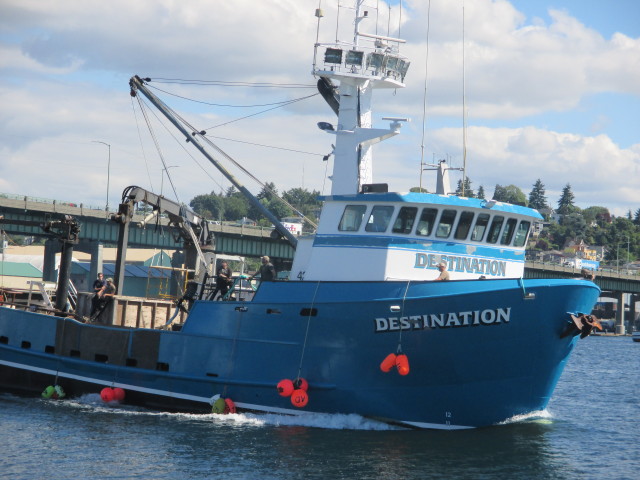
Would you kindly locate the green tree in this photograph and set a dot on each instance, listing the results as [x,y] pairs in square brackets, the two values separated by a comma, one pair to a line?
[510,194]
[565,204]
[537,198]
[575,226]
[598,215]
[418,190]
[235,207]
[209,206]
[481,194]
[468,191]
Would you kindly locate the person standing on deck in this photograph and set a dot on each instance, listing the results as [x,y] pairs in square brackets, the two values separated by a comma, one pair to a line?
[266,271]
[444,275]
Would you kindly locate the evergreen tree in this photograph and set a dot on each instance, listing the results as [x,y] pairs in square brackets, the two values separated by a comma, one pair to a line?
[481,194]
[565,204]
[636,218]
[468,191]
[537,198]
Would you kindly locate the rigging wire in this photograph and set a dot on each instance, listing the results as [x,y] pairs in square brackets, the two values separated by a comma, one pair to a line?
[261,112]
[283,102]
[155,140]
[424,98]
[464,115]
[223,83]
[146,164]
[267,146]
[182,146]
[228,157]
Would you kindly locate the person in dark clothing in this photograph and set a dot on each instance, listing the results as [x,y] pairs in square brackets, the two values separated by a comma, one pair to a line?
[266,271]
[105,296]
[223,280]
[98,285]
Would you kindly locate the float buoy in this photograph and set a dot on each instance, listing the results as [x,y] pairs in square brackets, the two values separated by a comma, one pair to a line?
[118,394]
[299,398]
[402,364]
[229,406]
[106,394]
[301,384]
[56,392]
[218,406]
[388,363]
[285,387]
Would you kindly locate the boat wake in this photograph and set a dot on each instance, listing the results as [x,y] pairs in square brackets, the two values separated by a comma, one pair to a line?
[539,416]
[93,402]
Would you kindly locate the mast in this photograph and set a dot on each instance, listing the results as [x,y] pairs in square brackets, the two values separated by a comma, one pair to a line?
[137,84]
[367,62]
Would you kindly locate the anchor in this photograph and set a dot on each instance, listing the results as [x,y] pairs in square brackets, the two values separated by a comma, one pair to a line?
[581,324]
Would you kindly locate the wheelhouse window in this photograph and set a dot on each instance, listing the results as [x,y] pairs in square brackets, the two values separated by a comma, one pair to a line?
[507,234]
[426,222]
[494,229]
[379,218]
[405,220]
[352,218]
[464,224]
[479,229]
[446,223]
[521,233]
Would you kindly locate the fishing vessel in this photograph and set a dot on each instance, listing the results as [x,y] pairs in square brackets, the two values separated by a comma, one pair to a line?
[360,326]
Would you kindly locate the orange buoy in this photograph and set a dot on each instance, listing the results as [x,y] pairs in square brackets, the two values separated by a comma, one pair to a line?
[285,387]
[106,394]
[402,364]
[301,384]
[229,406]
[299,398]
[118,394]
[388,363]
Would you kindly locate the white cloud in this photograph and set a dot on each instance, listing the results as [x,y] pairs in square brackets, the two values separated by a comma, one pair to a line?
[65,67]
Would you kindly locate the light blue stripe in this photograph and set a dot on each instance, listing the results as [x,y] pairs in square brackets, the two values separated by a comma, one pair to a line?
[393,243]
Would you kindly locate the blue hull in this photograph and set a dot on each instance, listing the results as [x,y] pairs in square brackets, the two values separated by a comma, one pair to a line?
[480,352]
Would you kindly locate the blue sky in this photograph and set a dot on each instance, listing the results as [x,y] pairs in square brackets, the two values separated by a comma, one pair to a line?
[552,92]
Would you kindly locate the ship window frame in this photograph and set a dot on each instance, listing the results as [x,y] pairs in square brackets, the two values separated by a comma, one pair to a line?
[517,236]
[357,212]
[424,221]
[444,228]
[408,219]
[461,233]
[479,228]
[493,235]
[508,231]
[379,218]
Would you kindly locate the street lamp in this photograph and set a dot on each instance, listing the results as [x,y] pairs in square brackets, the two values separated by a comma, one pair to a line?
[165,169]
[618,253]
[106,208]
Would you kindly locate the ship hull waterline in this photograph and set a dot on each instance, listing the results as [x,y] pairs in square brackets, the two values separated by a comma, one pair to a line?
[480,352]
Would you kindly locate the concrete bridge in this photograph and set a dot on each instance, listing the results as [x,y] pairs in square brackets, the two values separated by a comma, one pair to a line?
[98,230]
[613,283]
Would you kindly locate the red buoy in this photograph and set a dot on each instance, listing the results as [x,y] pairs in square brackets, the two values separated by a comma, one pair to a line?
[301,384]
[229,406]
[107,394]
[299,398]
[402,364]
[285,387]
[118,394]
[388,363]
